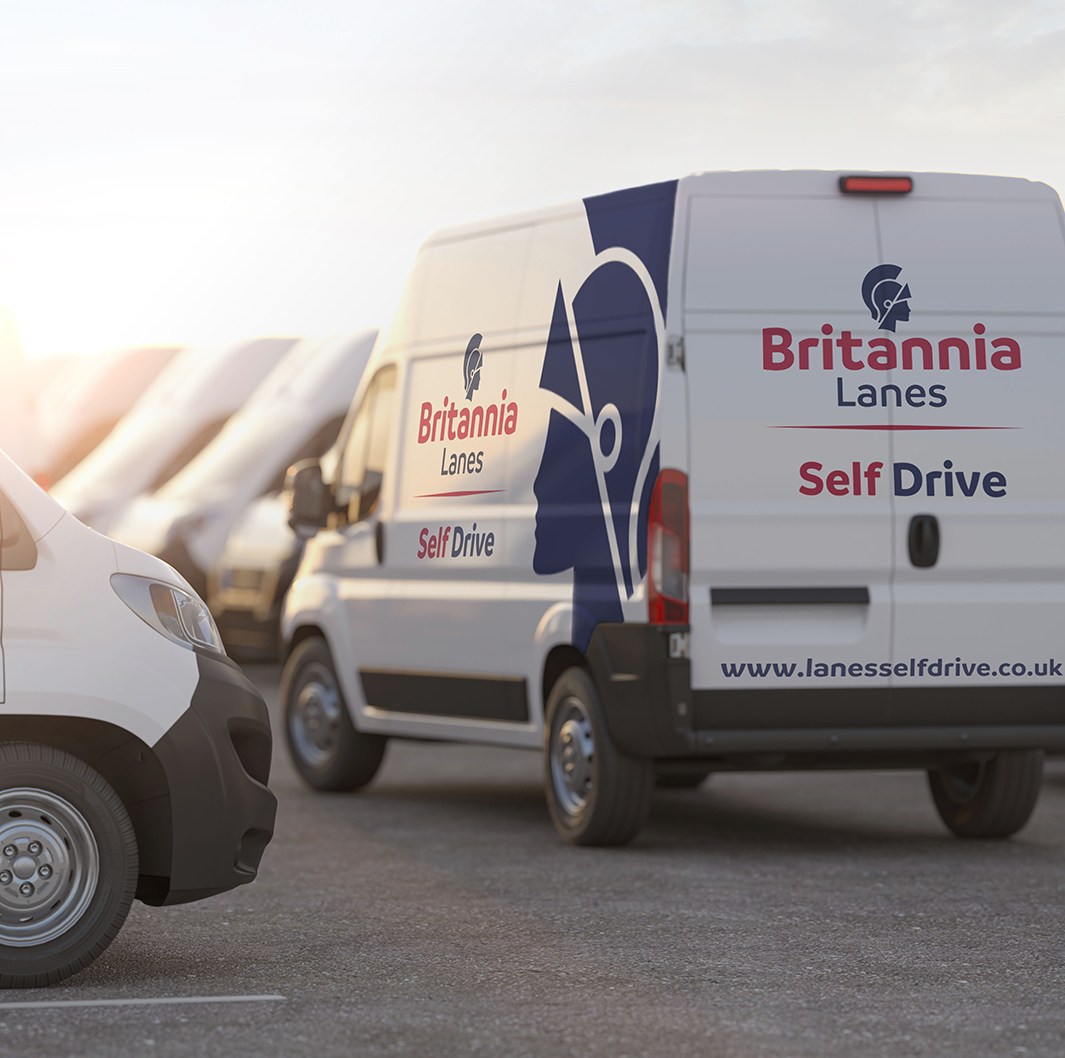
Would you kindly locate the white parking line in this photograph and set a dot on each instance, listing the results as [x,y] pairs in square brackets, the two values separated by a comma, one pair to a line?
[165,1000]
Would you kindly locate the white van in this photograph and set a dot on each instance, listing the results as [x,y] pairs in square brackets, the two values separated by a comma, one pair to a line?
[247,587]
[134,755]
[743,471]
[178,415]
[296,412]
[81,406]
[246,590]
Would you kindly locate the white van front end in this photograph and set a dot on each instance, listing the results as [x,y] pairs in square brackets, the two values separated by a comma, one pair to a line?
[114,683]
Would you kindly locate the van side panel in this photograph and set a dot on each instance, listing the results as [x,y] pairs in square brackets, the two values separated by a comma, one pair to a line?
[463,409]
[528,448]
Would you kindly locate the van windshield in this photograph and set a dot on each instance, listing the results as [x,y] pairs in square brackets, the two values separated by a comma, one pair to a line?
[116,460]
[234,457]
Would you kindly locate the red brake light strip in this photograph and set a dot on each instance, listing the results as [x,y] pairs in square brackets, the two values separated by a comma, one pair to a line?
[876,185]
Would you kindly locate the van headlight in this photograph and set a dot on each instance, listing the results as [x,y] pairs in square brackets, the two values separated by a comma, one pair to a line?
[171,611]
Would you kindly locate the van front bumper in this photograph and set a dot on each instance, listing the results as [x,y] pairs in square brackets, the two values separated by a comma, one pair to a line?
[216,759]
[652,711]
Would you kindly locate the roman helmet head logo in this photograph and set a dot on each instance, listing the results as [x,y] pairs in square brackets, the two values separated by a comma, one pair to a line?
[471,366]
[885,297]
[601,367]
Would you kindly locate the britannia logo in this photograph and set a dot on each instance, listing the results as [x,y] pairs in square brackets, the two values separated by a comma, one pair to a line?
[471,366]
[885,297]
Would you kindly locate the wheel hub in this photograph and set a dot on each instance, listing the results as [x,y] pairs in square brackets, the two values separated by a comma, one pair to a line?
[572,757]
[49,866]
[315,722]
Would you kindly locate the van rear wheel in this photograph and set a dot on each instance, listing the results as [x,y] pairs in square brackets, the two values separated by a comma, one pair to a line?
[68,865]
[988,799]
[327,750]
[596,794]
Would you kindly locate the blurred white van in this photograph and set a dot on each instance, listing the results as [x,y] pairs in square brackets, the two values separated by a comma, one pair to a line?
[80,407]
[747,470]
[246,590]
[295,413]
[175,418]
[134,755]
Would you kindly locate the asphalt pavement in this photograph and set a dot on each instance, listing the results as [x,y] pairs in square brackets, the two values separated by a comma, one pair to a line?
[438,914]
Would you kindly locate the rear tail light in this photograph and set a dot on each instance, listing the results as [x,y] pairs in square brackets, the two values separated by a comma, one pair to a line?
[667,580]
[876,185]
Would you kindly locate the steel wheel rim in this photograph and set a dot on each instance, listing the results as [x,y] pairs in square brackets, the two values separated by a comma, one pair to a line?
[49,866]
[572,757]
[314,720]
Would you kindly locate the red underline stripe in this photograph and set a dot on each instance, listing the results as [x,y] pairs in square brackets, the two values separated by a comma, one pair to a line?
[471,492]
[877,427]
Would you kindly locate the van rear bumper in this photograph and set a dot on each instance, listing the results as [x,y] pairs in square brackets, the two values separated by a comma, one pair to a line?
[217,762]
[652,711]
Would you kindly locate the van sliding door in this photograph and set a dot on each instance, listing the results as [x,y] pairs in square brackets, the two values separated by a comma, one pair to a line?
[789,397]
[441,670]
[979,492]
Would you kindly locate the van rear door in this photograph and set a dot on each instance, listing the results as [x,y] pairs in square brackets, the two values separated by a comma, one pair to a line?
[984,262]
[790,505]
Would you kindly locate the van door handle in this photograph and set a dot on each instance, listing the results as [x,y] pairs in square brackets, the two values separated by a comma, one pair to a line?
[924,540]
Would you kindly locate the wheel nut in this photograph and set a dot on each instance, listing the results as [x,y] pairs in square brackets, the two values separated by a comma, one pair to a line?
[5,877]
[45,871]
[34,848]
[26,889]
[10,851]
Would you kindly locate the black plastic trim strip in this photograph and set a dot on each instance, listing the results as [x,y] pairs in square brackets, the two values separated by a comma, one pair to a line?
[461,694]
[786,596]
[868,707]
[845,740]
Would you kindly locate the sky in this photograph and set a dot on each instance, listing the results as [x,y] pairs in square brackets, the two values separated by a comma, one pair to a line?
[205,171]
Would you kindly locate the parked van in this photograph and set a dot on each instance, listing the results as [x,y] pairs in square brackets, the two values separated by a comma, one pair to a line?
[246,590]
[248,584]
[753,470]
[295,413]
[179,414]
[134,755]
[80,407]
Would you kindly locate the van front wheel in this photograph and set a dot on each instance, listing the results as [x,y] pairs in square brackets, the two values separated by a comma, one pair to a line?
[327,750]
[988,799]
[68,865]
[596,794]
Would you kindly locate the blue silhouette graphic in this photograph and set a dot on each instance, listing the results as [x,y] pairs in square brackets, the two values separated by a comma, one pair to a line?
[594,470]
[471,366]
[885,297]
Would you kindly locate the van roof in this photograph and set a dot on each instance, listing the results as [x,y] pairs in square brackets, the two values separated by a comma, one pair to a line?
[779,182]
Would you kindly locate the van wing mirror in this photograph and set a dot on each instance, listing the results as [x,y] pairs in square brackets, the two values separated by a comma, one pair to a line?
[368,492]
[311,500]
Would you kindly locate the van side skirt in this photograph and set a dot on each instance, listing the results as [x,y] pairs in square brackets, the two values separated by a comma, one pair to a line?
[467,695]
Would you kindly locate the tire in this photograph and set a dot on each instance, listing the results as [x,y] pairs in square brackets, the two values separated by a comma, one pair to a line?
[327,751]
[68,865]
[682,779]
[596,794]
[988,799]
